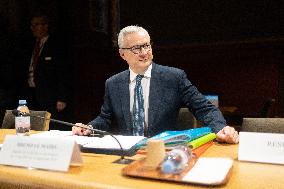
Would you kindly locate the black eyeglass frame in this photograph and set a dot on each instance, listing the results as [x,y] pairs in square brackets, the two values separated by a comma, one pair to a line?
[145,46]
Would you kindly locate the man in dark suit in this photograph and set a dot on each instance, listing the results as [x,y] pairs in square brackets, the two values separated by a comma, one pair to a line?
[47,77]
[164,91]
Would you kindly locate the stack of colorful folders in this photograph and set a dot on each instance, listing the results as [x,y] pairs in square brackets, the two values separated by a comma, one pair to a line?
[199,139]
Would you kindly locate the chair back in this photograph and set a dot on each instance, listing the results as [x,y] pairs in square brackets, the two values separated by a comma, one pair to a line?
[263,125]
[186,120]
[267,109]
[37,123]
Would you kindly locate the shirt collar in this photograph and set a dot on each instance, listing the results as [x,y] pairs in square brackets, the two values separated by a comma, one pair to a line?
[43,40]
[147,73]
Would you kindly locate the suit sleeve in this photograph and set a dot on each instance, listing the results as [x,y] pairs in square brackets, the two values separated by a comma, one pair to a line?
[63,72]
[202,109]
[103,120]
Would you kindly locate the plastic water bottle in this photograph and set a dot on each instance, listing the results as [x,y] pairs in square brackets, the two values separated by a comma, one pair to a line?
[22,121]
[176,160]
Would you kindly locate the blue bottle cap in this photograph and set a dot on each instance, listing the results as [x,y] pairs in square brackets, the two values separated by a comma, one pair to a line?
[168,167]
[22,102]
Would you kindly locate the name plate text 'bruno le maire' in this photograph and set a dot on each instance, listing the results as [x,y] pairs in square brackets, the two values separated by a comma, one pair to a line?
[40,152]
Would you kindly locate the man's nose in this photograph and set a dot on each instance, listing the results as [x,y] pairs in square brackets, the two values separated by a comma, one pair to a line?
[143,50]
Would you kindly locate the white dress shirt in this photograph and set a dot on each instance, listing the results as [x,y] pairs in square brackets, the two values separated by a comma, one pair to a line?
[146,88]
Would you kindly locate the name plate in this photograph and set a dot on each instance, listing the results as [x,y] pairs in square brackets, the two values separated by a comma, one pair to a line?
[261,147]
[40,152]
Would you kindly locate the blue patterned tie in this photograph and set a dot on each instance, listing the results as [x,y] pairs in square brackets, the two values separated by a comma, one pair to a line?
[138,108]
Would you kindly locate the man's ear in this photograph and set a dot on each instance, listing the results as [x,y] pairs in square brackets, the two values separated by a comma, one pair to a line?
[121,53]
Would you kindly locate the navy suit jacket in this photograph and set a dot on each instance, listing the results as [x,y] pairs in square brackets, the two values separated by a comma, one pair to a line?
[169,91]
[52,72]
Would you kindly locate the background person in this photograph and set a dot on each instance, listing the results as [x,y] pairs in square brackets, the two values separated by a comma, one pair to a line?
[47,69]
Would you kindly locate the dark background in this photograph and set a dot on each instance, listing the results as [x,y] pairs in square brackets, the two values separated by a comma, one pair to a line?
[232,48]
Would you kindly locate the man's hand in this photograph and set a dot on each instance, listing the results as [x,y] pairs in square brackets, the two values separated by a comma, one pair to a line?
[80,130]
[60,106]
[228,134]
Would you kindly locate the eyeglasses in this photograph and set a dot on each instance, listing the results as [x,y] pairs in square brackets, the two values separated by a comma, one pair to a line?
[138,48]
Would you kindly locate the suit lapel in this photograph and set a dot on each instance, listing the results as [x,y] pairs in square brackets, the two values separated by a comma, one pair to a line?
[124,96]
[155,100]
[154,95]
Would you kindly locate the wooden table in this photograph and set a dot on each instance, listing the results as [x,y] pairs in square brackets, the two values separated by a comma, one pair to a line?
[98,171]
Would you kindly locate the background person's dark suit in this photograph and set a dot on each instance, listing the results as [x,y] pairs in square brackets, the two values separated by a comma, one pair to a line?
[169,90]
[52,80]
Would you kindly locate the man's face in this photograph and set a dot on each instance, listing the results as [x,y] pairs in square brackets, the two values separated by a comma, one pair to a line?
[139,53]
[39,27]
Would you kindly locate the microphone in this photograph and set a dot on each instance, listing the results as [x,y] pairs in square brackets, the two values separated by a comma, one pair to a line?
[16,112]
[101,133]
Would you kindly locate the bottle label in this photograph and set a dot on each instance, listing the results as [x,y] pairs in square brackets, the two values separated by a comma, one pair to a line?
[22,122]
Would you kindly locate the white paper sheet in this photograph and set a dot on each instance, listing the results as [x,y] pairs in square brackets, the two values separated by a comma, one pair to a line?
[106,142]
[212,171]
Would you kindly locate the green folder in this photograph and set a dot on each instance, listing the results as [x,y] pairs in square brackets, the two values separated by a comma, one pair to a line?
[202,140]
